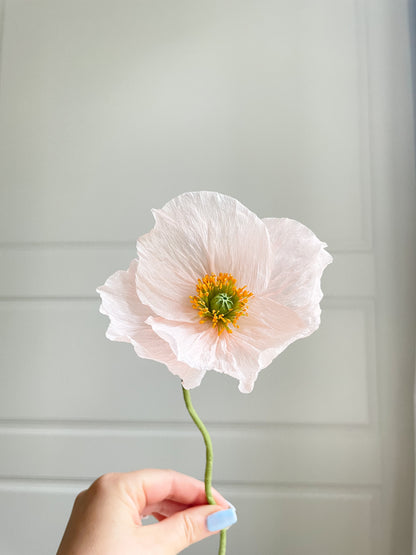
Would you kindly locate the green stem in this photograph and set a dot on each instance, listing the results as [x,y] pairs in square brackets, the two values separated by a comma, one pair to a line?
[223,542]
[209,461]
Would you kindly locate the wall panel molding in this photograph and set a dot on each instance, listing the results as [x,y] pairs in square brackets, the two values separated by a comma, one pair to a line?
[240,124]
[288,391]
[291,456]
[75,271]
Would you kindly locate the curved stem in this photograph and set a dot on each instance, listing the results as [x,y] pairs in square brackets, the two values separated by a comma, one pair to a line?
[223,542]
[209,460]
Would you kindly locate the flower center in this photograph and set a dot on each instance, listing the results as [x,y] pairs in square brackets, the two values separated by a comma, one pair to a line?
[219,301]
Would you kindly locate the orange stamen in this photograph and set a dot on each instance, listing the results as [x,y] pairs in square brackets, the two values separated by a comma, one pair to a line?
[220,292]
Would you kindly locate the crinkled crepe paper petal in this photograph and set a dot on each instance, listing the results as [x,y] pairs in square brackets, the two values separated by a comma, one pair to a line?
[197,234]
[299,259]
[127,323]
[261,336]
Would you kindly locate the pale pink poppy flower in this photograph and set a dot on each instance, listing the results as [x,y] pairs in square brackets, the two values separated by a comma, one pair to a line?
[215,287]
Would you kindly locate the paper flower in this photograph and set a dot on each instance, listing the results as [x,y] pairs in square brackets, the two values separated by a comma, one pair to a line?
[215,287]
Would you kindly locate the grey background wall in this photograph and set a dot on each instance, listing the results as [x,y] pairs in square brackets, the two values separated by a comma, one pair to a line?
[299,109]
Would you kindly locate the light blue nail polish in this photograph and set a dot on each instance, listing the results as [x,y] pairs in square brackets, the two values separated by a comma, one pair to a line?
[221,519]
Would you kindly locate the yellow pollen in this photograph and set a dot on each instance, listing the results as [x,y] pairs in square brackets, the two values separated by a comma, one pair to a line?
[219,301]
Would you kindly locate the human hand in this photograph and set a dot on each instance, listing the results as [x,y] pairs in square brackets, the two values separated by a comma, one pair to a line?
[107,517]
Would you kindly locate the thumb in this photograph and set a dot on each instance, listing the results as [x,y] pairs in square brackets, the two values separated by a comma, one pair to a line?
[192,525]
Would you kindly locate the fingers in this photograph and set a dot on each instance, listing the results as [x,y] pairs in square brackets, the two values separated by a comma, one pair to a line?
[176,500]
[164,508]
[151,487]
[192,525]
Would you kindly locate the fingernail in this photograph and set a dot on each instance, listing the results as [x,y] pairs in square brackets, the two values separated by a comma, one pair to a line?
[221,519]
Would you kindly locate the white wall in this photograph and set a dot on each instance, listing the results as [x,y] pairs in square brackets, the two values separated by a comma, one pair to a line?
[300,109]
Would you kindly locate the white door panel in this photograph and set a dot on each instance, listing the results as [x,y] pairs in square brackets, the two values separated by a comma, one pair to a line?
[299,109]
